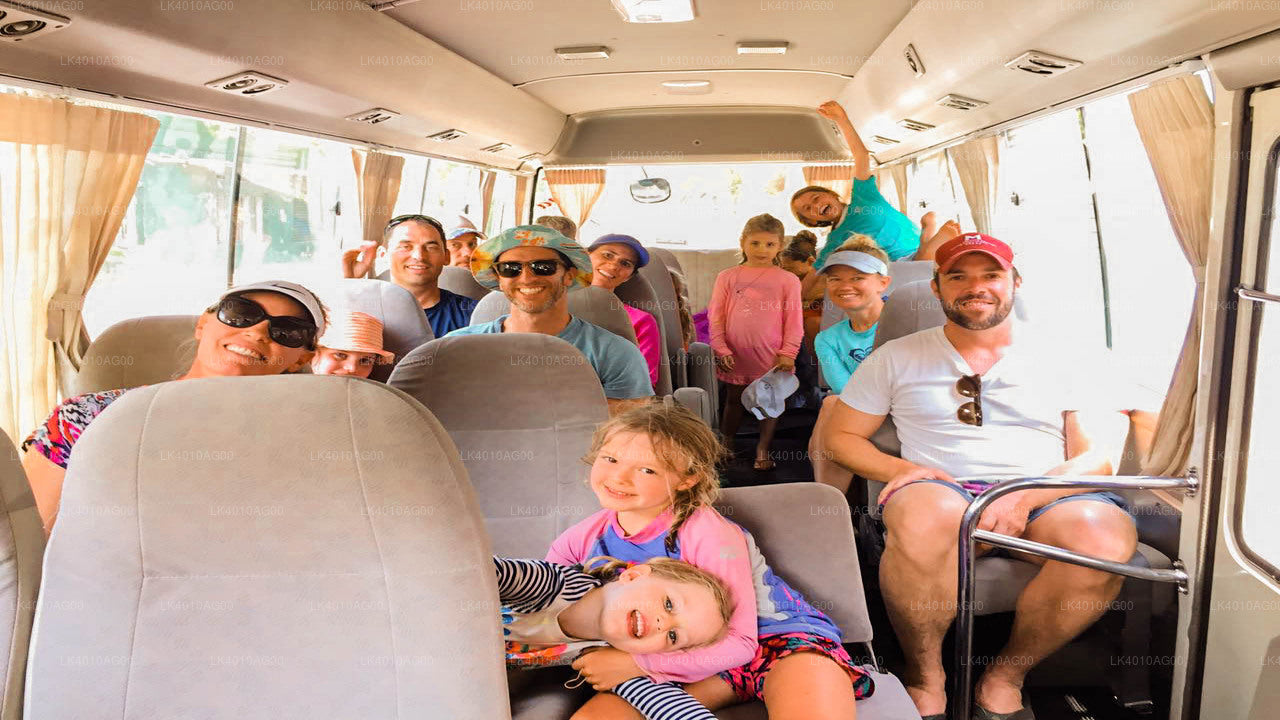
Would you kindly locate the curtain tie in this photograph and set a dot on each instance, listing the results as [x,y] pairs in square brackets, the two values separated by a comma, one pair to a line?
[61,305]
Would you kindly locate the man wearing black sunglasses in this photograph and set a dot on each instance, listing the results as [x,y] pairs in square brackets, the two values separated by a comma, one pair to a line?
[536,267]
[416,246]
[976,401]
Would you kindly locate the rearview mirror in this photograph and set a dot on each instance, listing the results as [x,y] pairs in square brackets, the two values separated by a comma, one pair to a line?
[650,190]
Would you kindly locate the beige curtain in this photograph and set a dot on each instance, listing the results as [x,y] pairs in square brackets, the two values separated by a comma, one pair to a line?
[899,174]
[978,167]
[487,180]
[1175,121]
[69,173]
[523,184]
[837,177]
[377,187]
[576,191]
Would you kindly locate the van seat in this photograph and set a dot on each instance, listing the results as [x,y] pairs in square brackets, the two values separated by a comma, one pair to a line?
[404,324]
[521,408]
[330,563]
[460,281]
[21,550]
[638,292]
[136,352]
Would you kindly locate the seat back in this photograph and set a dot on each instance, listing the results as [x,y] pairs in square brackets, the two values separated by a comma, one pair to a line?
[21,549]
[790,520]
[638,292]
[911,308]
[460,280]
[595,305]
[136,352]
[404,325]
[301,546]
[521,408]
[668,257]
[668,314]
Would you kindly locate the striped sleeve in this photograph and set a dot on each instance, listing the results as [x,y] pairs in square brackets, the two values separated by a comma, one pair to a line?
[527,586]
[661,701]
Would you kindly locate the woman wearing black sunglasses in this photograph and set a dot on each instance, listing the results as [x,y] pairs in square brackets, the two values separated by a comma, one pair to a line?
[266,328]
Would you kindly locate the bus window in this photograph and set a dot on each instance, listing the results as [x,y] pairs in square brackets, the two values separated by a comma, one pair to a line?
[1261,494]
[173,241]
[287,226]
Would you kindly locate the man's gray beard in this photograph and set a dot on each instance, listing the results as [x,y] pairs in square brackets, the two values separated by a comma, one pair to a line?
[955,315]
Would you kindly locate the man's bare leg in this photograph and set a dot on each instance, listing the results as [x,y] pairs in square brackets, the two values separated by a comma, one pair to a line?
[918,581]
[1063,599]
[826,470]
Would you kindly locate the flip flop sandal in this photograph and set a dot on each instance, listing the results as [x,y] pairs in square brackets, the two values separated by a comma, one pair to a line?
[763,465]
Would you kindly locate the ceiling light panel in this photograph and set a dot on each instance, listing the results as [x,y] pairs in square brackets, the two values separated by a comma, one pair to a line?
[763,47]
[654,11]
[584,52]
[687,87]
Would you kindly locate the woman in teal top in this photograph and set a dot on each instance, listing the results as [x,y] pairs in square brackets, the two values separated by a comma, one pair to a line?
[867,212]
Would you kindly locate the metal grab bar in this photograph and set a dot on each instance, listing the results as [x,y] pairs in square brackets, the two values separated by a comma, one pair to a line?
[970,535]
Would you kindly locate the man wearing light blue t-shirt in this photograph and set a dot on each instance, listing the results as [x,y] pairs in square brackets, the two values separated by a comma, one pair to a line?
[536,267]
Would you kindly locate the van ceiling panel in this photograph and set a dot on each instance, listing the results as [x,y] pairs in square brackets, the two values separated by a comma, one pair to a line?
[1252,62]
[516,39]
[675,135]
[339,57]
[635,90]
[964,47]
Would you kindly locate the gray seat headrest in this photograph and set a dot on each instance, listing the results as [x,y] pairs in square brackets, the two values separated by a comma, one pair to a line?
[301,545]
[594,305]
[21,550]
[638,292]
[521,407]
[913,307]
[404,324]
[137,352]
[460,280]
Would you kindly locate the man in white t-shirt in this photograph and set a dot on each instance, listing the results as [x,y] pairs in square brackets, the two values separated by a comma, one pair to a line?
[977,401]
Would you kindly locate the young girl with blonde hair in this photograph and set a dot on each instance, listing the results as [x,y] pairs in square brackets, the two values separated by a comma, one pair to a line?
[653,468]
[756,325]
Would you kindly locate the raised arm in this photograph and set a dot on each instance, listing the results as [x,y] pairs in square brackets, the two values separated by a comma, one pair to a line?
[531,585]
[833,111]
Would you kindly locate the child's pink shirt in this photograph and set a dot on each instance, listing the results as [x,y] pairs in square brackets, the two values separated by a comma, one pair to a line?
[707,541]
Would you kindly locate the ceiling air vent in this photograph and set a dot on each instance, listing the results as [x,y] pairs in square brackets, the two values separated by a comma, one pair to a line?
[247,83]
[1039,63]
[531,156]
[447,135]
[882,140]
[496,148]
[374,116]
[960,102]
[914,125]
[19,23]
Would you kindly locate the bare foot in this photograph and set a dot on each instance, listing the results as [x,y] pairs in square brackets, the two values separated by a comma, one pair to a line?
[998,694]
[928,224]
[950,229]
[928,701]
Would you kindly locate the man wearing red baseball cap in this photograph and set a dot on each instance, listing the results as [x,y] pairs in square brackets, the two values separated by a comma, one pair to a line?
[977,401]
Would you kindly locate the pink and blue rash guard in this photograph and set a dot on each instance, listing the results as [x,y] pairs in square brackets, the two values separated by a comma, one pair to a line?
[764,603]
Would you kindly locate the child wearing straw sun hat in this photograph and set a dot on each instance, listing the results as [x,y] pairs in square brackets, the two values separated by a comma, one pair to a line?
[351,346]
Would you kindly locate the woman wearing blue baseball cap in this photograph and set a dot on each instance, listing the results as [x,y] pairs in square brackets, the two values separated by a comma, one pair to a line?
[614,259]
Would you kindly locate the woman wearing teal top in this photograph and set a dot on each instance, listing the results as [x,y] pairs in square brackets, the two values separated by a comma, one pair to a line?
[867,212]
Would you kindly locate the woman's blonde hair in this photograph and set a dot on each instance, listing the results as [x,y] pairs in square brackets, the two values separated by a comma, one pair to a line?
[763,223]
[864,244]
[683,442]
[607,569]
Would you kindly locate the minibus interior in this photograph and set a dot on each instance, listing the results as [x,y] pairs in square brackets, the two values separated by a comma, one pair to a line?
[207,562]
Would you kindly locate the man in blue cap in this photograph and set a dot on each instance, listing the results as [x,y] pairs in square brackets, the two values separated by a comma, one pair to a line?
[536,267]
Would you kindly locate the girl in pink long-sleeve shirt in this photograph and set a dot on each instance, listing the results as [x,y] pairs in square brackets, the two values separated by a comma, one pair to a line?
[756,325]
[653,468]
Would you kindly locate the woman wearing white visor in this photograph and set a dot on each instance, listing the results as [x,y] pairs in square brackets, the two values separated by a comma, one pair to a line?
[856,274]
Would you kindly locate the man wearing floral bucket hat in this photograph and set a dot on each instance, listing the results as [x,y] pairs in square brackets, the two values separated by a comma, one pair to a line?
[536,267]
